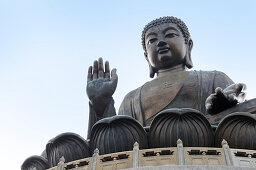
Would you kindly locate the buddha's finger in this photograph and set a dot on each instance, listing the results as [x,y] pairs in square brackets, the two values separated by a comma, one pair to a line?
[95,70]
[113,73]
[218,91]
[208,106]
[210,99]
[240,87]
[241,97]
[221,95]
[114,76]
[100,71]
[107,71]
[89,76]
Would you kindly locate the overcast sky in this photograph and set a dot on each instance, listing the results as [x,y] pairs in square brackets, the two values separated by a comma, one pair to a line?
[46,47]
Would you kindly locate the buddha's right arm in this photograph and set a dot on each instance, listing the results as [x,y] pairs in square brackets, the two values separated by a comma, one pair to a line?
[94,116]
[100,88]
[126,108]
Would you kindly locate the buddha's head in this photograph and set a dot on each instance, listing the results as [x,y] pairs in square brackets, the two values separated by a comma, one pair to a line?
[167,43]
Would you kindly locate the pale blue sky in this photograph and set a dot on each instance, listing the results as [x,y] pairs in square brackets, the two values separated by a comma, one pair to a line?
[46,47]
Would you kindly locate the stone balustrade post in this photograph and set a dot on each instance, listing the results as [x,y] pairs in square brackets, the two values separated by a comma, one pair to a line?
[135,155]
[180,152]
[227,153]
[95,159]
[61,165]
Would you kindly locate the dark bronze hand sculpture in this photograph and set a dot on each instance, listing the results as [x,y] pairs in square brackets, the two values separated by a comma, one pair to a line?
[100,88]
[224,99]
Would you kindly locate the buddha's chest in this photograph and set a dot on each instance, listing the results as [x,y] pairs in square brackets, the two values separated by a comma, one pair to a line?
[158,94]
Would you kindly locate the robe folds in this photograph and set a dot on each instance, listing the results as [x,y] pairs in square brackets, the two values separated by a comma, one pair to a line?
[188,89]
[184,89]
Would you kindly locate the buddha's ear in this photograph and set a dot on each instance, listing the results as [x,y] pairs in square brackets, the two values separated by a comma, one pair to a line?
[188,60]
[151,69]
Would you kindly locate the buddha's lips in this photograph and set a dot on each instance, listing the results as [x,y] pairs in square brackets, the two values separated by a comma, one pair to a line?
[163,50]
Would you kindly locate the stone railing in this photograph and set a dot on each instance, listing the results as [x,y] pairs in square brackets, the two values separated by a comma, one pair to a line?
[163,156]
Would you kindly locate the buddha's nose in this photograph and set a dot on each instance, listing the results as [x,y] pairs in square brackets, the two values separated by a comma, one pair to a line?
[161,43]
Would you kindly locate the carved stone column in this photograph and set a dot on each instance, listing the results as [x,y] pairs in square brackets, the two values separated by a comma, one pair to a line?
[95,159]
[135,155]
[61,165]
[180,150]
[227,153]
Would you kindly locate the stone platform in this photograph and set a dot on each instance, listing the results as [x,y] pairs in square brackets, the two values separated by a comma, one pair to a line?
[171,158]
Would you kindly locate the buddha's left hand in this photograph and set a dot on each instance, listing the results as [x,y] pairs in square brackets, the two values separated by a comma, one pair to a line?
[224,99]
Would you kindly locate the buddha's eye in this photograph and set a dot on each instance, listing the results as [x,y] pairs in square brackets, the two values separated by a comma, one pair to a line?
[170,35]
[152,40]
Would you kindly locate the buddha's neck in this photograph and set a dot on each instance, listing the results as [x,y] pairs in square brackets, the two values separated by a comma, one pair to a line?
[168,71]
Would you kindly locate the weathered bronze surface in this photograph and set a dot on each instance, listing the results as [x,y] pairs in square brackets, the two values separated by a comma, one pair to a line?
[168,45]
[247,106]
[239,129]
[38,162]
[117,134]
[189,125]
[213,95]
[68,145]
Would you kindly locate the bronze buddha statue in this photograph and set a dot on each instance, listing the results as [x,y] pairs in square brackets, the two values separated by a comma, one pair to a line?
[177,104]
[167,44]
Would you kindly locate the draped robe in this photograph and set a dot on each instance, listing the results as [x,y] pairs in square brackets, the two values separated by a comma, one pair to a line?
[184,89]
[187,89]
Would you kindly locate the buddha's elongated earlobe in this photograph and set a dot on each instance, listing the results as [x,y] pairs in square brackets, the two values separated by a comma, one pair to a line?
[188,60]
[151,69]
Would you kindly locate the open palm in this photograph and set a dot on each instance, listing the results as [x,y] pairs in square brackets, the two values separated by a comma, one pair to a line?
[100,84]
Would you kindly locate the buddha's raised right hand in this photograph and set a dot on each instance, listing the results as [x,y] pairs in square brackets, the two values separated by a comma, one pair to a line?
[100,85]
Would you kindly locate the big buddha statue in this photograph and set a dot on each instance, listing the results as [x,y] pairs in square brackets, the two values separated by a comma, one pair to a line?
[167,48]
[211,95]
[199,107]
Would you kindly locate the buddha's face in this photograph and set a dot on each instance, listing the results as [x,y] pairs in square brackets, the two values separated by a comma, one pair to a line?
[165,46]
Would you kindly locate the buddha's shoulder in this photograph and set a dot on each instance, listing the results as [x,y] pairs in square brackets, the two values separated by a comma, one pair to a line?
[133,93]
[136,92]
[211,74]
